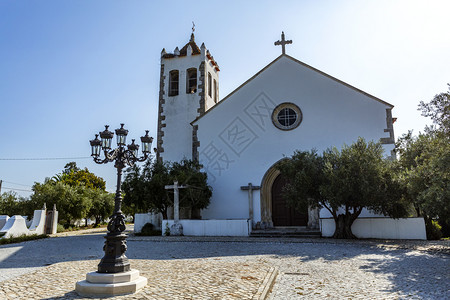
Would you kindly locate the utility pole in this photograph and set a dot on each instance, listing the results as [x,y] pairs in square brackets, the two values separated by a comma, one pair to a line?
[1,187]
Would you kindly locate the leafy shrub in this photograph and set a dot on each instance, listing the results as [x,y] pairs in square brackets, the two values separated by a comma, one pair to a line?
[445,228]
[22,238]
[148,230]
[68,227]
[434,230]
[60,228]
[167,230]
[148,227]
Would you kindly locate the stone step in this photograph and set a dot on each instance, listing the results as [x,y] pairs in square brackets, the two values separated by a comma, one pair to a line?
[300,233]
[286,236]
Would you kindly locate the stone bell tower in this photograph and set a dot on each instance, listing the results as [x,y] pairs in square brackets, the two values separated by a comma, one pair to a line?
[189,86]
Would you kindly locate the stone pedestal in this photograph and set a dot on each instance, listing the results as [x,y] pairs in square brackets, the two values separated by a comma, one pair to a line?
[110,284]
[313,218]
[176,229]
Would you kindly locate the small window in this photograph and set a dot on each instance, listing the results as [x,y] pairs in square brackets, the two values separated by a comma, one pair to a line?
[191,81]
[215,91]
[173,83]
[287,116]
[209,85]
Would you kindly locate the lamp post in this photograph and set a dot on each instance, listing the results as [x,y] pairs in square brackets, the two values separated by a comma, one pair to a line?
[115,246]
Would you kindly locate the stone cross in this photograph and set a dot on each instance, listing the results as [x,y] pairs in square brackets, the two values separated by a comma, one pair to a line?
[283,42]
[250,188]
[176,199]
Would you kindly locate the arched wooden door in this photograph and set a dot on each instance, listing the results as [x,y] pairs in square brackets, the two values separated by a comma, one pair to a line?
[282,214]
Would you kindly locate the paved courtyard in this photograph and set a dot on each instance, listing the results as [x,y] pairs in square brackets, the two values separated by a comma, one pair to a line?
[234,268]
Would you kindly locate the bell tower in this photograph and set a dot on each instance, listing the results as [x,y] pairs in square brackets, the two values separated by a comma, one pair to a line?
[189,86]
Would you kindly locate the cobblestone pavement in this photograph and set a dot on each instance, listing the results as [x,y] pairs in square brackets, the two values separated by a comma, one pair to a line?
[234,268]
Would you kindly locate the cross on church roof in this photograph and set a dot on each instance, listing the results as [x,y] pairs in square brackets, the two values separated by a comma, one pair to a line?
[283,42]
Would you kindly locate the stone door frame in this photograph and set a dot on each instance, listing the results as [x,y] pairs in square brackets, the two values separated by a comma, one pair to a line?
[266,194]
[266,200]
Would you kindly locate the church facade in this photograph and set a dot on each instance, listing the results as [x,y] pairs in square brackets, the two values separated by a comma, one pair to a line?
[286,106]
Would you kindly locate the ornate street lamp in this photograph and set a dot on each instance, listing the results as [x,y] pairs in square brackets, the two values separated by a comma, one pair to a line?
[115,260]
[114,275]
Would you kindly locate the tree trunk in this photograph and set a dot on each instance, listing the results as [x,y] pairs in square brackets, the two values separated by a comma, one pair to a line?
[344,226]
[195,214]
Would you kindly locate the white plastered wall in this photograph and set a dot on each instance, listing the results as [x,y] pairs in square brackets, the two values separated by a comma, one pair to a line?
[179,110]
[239,143]
[209,100]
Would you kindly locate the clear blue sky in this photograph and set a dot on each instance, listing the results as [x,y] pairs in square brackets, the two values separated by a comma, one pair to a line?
[69,67]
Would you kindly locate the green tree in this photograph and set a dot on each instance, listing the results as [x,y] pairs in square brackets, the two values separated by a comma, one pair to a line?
[73,203]
[198,193]
[71,167]
[131,188]
[102,205]
[145,189]
[74,176]
[425,169]
[425,164]
[132,191]
[344,182]
[11,204]
[156,176]
[438,109]
[77,194]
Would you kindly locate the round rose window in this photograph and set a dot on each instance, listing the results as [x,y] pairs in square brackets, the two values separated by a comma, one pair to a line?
[287,116]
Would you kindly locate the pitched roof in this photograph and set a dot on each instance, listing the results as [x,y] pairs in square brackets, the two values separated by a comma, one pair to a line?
[303,64]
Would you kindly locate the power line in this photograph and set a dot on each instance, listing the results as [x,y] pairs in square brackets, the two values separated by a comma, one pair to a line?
[13,189]
[47,158]
[17,183]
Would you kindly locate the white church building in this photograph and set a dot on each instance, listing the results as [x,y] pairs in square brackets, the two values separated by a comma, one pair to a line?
[286,106]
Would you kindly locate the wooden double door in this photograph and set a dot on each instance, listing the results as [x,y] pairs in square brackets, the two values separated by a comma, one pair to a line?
[282,214]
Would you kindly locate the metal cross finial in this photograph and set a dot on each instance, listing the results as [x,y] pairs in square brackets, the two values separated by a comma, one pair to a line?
[283,42]
[193,26]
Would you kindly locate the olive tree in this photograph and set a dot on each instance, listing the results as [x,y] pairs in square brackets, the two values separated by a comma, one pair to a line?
[344,182]
[102,205]
[144,188]
[11,204]
[73,203]
[425,165]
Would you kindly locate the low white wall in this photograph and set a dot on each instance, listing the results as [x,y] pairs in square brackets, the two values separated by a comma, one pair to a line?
[17,226]
[141,219]
[381,228]
[240,227]
[54,222]
[38,224]
[3,220]
[28,222]
[14,227]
